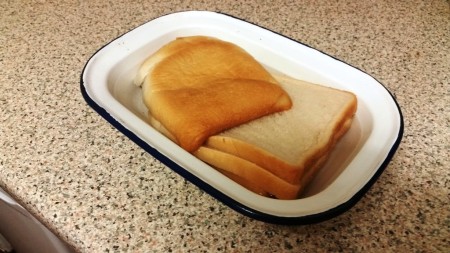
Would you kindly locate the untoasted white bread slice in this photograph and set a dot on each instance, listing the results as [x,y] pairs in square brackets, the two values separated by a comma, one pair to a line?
[261,180]
[252,176]
[276,166]
[199,86]
[248,174]
[289,143]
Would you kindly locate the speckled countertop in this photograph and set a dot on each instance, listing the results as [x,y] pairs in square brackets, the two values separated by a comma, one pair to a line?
[100,192]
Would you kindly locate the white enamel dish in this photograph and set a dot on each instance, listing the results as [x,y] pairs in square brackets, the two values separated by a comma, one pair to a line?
[354,165]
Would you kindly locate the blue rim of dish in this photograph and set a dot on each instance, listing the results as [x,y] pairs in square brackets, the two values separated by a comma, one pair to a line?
[230,202]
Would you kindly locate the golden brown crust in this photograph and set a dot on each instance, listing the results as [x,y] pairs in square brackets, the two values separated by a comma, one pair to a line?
[199,86]
[291,172]
[288,172]
[165,51]
[259,179]
[207,87]
[250,174]
[262,179]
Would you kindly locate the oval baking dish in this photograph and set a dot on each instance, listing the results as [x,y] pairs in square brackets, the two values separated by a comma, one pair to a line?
[354,165]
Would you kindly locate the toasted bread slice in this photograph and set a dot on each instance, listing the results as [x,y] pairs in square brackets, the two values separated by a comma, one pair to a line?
[199,86]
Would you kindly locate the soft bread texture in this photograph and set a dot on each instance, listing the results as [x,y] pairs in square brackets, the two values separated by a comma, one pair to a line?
[292,145]
[260,155]
[248,174]
[252,176]
[290,142]
[265,180]
[199,86]
[271,135]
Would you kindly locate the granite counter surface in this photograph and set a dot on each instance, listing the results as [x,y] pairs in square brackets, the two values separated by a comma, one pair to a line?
[100,192]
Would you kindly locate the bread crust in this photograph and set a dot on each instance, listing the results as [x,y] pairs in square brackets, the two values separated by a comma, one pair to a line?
[262,180]
[291,172]
[251,175]
[198,87]
[288,172]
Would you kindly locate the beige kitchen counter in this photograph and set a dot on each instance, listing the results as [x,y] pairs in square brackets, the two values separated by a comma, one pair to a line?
[100,192]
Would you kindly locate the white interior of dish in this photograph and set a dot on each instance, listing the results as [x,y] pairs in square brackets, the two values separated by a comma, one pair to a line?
[109,77]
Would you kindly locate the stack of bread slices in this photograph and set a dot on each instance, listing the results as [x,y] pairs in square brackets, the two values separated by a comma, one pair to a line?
[269,133]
